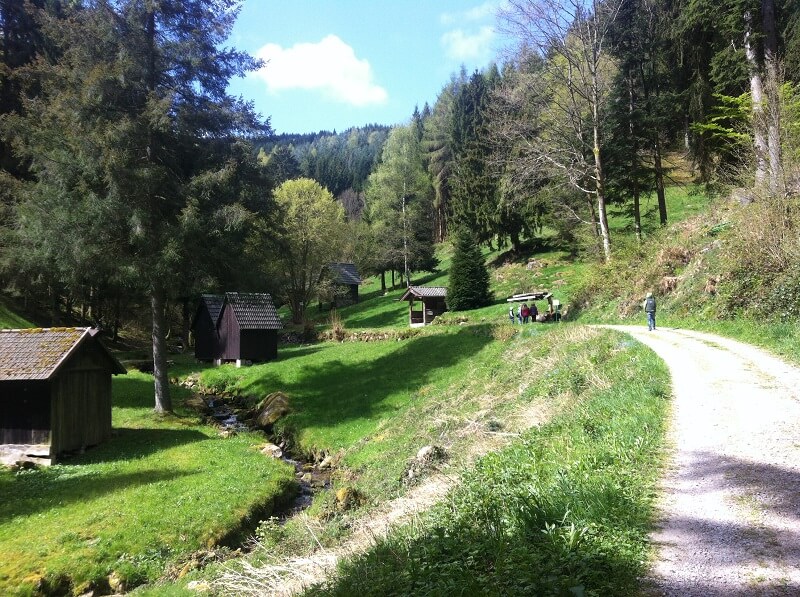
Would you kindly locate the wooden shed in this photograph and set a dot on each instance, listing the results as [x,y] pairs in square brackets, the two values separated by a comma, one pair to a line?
[344,275]
[248,328]
[433,303]
[204,327]
[55,392]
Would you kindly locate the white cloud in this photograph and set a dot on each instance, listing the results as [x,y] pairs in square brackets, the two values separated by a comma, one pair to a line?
[482,12]
[469,46]
[330,66]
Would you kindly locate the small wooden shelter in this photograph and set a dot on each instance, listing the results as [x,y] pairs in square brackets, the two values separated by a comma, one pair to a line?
[248,328]
[433,303]
[204,326]
[55,392]
[344,275]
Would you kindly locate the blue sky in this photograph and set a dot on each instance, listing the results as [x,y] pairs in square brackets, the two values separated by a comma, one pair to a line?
[334,64]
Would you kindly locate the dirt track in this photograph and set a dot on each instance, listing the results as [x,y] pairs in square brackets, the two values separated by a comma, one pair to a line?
[729,515]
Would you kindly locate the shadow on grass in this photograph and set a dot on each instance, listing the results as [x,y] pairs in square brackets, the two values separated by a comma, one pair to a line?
[42,490]
[128,444]
[289,351]
[334,392]
[386,318]
[138,392]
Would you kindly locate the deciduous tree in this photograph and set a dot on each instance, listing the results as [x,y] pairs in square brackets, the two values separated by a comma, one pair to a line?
[313,228]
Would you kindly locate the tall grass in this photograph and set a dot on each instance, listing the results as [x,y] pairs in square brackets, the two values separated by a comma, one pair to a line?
[564,510]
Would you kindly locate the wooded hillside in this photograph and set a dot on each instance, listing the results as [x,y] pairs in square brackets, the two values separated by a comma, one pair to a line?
[132,181]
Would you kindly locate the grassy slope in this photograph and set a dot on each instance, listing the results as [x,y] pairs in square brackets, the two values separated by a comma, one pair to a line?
[159,489]
[10,319]
[564,510]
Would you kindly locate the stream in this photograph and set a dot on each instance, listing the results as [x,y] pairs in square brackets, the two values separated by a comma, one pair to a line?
[310,478]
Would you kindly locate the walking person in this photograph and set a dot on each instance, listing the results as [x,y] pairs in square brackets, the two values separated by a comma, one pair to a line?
[534,312]
[525,313]
[650,309]
[511,313]
[519,313]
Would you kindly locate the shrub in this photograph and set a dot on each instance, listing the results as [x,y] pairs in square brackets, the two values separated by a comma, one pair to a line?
[337,326]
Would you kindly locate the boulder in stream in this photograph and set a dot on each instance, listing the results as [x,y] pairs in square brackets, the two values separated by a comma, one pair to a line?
[270,409]
[272,450]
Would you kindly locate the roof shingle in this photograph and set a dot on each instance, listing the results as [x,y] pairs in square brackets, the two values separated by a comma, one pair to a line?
[344,273]
[213,303]
[254,311]
[38,353]
[424,291]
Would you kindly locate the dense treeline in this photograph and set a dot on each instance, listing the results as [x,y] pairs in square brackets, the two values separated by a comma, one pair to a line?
[131,178]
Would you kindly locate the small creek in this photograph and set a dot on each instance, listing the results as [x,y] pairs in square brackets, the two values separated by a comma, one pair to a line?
[310,478]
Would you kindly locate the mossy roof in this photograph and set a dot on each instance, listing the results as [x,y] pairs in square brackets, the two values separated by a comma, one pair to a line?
[38,353]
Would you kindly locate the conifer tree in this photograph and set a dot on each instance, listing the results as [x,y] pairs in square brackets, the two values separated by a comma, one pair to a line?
[469,279]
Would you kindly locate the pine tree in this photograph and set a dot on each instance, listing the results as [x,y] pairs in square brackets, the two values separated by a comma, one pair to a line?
[469,278]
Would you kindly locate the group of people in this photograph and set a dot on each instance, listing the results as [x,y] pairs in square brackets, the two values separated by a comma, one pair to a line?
[523,313]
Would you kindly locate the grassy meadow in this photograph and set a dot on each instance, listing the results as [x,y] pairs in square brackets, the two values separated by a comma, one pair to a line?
[160,489]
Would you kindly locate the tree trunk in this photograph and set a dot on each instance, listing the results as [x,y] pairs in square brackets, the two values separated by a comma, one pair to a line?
[773,96]
[659,172]
[160,376]
[599,182]
[757,94]
[383,281]
[637,218]
[392,278]
[187,322]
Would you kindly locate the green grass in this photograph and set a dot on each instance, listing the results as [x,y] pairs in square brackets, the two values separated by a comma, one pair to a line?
[159,489]
[10,319]
[683,201]
[342,394]
[564,510]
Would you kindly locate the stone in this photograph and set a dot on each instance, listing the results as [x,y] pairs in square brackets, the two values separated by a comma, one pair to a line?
[348,498]
[198,586]
[196,403]
[272,450]
[272,408]
[116,582]
[742,196]
[424,452]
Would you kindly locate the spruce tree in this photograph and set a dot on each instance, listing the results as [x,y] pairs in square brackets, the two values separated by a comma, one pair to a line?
[469,278]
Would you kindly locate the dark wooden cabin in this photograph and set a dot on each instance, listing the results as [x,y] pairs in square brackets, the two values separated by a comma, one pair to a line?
[55,392]
[433,303]
[346,276]
[248,328]
[204,327]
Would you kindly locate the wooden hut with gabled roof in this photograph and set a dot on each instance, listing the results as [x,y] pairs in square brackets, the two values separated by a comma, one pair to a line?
[433,303]
[204,326]
[55,392]
[346,276]
[248,328]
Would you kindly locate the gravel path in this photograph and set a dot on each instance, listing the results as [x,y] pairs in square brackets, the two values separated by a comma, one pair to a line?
[729,515]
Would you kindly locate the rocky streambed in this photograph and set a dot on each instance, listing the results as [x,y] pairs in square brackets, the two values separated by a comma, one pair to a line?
[311,476]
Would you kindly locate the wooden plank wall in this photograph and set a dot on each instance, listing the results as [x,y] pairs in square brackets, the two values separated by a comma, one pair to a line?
[81,406]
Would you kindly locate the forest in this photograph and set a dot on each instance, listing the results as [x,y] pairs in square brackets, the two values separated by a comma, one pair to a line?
[132,181]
